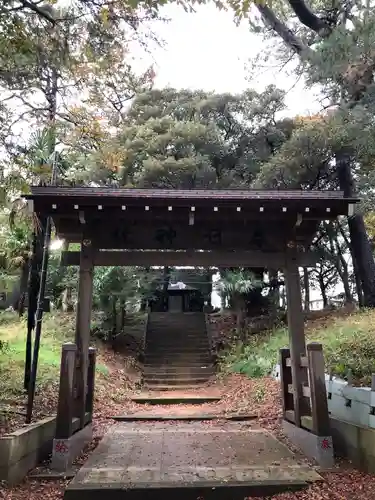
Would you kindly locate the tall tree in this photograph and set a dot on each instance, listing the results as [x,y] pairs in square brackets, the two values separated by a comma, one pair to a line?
[309,159]
[172,138]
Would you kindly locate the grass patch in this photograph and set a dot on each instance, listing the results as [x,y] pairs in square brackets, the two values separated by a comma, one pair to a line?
[7,317]
[349,344]
[57,328]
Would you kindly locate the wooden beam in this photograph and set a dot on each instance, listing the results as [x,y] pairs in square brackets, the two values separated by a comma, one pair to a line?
[204,259]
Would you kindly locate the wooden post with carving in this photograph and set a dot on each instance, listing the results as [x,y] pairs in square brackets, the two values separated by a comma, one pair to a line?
[318,392]
[82,333]
[65,408]
[296,334]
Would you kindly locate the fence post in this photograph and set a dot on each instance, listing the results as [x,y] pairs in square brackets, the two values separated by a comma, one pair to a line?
[90,383]
[65,406]
[318,392]
[285,380]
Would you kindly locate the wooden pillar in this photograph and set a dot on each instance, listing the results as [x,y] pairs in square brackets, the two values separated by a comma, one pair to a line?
[318,392]
[65,407]
[296,335]
[91,383]
[82,334]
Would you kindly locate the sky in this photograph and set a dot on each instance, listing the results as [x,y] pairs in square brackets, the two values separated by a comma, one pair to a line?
[206,50]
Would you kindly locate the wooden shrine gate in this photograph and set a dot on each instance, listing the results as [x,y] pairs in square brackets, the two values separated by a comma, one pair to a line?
[255,229]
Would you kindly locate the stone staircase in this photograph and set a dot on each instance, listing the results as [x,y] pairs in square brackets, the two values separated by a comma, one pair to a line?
[177,353]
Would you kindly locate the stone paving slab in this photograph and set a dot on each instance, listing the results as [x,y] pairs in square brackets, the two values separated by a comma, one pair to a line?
[188,460]
[182,412]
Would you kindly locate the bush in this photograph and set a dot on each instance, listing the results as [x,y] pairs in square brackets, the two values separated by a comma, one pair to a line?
[348,343]
[4,346]
[7,317]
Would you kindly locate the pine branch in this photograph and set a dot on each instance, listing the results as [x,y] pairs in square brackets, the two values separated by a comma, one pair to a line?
[41,11]
[308,18]
[291,40]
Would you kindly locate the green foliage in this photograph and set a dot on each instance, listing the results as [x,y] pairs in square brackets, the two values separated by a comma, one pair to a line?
[57,329]
[181,138]
[258,356]
[348,343]
[238,282]
[7,317]
[15,247]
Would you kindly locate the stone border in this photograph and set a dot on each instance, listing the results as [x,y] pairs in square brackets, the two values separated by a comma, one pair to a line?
[65,451]
[23,449]
[319,448]
[355,443]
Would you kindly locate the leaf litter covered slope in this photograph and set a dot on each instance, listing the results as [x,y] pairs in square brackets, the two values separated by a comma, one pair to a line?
[241,394]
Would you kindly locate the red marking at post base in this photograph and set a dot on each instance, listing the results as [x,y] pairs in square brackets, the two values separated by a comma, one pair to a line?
[61,447]
[325,444]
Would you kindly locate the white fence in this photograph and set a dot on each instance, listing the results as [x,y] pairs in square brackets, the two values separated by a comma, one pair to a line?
[345,402]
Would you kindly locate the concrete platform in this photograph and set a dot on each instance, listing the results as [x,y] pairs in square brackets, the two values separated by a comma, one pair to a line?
[187,461]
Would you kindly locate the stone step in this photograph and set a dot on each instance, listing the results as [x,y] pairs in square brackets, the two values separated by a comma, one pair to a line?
[177,366]
[179,342]
[175,381]
[183,360]
[171,388]
[176,321]
[196,373]
[178,369]
[169,353]
[182,321]
[179,331]
[177,349]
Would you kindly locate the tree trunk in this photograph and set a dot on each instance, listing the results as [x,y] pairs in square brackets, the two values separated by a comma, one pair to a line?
[66,296]
[122,315]
[208,294]
[306,288]
[32,295]
[360,244]
[283,299]
[66,301]
[358,285]
[239,308]
[274,291]
[23,286]
[343,271]
[166,281]
[323,291]
[114,317]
